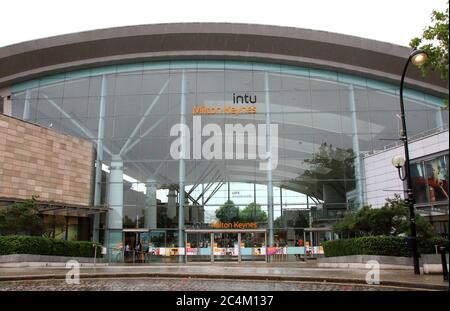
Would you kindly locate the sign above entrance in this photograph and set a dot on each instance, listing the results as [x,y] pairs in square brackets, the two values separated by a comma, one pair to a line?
[235,109]
[234,225]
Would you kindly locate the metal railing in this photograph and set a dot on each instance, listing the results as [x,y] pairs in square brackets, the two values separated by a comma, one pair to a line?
[411,139]
[328,214]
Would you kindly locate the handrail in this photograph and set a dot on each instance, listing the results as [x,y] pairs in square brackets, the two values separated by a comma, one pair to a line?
[399,143]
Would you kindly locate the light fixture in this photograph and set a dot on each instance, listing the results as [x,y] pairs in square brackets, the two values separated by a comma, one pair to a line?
[398,161]
[419,57]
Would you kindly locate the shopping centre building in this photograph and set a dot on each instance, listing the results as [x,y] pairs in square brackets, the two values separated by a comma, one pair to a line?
[214,141]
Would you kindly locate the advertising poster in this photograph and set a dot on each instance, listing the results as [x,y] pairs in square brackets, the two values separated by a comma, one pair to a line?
[175,251]
[157,251]
[236,250]
[191,251]
[258,251]
[219,251]
[276,250]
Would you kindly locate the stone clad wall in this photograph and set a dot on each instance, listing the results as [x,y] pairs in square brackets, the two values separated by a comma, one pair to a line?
[38,161]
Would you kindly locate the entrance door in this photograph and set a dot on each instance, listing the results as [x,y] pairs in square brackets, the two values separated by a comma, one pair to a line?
[252,246]
[225,246]
[136,244]
[198,247]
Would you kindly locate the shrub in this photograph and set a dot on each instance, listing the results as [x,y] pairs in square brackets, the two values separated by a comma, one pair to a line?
[380,245]
[16,244]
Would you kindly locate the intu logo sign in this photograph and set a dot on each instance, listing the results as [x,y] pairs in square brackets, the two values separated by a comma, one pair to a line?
[234,141]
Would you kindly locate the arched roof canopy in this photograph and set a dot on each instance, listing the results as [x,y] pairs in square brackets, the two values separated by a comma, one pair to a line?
[244,42]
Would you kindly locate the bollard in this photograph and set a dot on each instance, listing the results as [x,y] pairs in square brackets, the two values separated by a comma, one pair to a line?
[444,263]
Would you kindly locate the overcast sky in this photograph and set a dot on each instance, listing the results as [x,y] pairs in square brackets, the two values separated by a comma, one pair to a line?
[395,21]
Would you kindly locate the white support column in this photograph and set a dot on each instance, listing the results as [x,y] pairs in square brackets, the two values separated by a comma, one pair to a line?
[182,164]
[212,246]
[171,204]
[115,201]
[357,161]
[99,161]
[439,119]
[150,216]
[239,247]
[7,106]
[187,212]
[269,160]
[310,225]
[26,107]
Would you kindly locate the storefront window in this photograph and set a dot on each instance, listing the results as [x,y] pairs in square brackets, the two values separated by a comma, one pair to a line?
[430,180]
[437,178]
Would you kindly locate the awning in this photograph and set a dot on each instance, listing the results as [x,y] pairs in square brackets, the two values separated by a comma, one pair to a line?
[73,211]
[61,209]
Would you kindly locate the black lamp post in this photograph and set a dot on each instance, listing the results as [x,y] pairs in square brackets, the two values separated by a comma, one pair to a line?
[417,57]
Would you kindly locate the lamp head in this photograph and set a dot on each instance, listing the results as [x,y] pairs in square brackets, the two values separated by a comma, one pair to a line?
[419,57]
[398,161]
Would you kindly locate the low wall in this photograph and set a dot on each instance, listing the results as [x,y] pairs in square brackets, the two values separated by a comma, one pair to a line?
[27,260]
[430,263]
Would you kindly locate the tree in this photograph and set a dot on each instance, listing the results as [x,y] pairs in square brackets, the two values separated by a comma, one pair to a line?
[331,167]
[392,219]
[252,213]
[21,218]
[434,41]
[228,212]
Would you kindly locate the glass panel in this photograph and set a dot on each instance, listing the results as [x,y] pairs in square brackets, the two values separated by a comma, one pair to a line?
[225,246]
[437,176]
[419,183]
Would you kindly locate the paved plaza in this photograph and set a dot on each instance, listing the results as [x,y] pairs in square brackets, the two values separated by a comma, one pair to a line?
[218,276]
[183,284]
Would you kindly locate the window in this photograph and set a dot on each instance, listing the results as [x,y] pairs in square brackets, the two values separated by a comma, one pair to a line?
[430,179]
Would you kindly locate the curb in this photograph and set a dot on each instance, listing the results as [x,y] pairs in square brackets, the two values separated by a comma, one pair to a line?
[406,285]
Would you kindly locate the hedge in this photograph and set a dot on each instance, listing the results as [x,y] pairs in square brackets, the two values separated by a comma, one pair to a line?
[17,244]
[380,245]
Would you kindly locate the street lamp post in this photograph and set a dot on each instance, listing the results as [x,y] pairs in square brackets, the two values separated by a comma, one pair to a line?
[417,57]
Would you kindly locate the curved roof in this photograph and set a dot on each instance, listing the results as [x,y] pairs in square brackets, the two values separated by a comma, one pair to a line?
[247,42]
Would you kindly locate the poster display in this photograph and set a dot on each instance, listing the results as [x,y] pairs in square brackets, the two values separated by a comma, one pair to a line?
[234,251]
[258,251]
[191,251]
[276,250]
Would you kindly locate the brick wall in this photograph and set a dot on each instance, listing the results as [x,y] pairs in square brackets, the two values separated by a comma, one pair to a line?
[39,161]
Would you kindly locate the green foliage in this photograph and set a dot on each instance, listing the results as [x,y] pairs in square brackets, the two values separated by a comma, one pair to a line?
[17,244]
[391,220]
[252,213]
[228,212]
[380,245]
[434,41]
[21,218]
[428,246]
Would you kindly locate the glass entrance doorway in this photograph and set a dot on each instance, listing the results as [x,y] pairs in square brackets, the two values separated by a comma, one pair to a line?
[136,244]
[225,246]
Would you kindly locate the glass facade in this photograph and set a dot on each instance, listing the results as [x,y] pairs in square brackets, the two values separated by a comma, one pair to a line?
[325,122]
